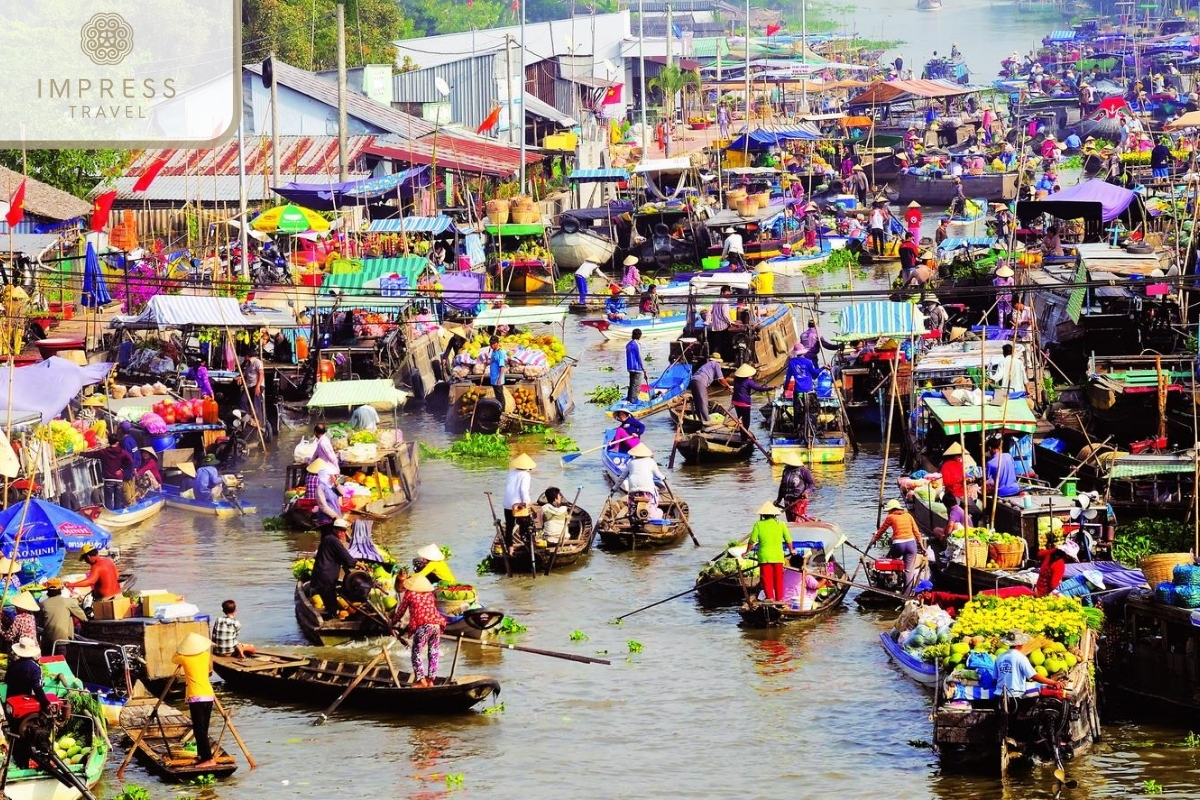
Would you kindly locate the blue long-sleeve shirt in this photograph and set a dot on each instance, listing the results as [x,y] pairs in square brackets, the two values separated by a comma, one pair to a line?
[803,372]
[614,306]
[629,429]
[633,357]
[743,388]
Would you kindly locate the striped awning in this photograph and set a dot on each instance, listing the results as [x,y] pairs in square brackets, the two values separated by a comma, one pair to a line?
[876,319]
[411,225]
[1061,36]
[409,268]
[598,176]
[1013,416]
[955,242]
[351,394]
[1144,466]
[184,311]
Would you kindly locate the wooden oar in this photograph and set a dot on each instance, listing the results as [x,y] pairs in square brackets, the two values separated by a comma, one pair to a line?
[237,737]
[570,457]
[500,536]
[535,651]
[683,513]
[146,726]
[370,665]
[686,591]
[566,531]
[753,438]
[678,430]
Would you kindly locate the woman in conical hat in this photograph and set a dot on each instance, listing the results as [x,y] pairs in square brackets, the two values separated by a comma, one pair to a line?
[517,495]
[425,625]
[193,656]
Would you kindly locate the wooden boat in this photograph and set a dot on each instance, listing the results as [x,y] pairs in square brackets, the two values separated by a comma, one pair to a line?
[980,733]
[664,392]
[581,532]
[998,187]
[140,511]
[828,441]
[1158,668]
[918,669]
[218,508]
[728,590]
[664,326]
[621,531]
[756,613]
[320,681]
[573,247]
[331,631]
[396,467]
[721,445]
[164,742]
[798,263]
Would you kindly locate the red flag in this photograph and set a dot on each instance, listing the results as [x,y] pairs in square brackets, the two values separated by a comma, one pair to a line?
[16,207]
[515,5]
[147,177]
[491,121]
[100,210]
[773,29]
[612,95]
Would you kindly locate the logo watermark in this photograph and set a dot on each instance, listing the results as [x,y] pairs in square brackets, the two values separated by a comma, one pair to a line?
[120,73]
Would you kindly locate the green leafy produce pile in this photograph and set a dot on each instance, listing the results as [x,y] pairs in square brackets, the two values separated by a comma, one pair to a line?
[605,395]
[472,446]
[1147,537]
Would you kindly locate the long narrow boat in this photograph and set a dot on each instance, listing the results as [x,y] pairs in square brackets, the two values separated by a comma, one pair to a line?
[164,742]
[721,445]
[797,263]
[320,681]
[140,511]
[828,443]
[581,532]
[621,530]
[664,392]
[614,460]
[756,613]
[728,590]
[919,670]
[665,326]
[213,508]
[331,631]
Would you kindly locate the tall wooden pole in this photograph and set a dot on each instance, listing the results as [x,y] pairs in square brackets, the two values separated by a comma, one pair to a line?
[343,156]
[274,125]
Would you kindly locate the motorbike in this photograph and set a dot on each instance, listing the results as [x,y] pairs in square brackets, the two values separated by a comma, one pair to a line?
[235,446]
[270,268]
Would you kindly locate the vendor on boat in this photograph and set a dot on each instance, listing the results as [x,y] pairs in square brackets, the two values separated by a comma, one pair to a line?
[517,498]
[226,634]
[769,538]
[24,674]
[649,303]
[632,277]
[318,488]
[734,250]
[425,626]
[1001,471]
[794,487]
[555,516]
[614,306]
[906,539]
[1010,374]
[935,316]
[199,373]
[1054,566]
[59,613]
[953,471]
[1015,674]
[102,575]
[207,484]
[324,447]
[634,365]
[23,623]
[148,476]
[628,433]
[430,561]
[114,462]
[800,377]
[641,473]
[744,387]
[194,658]
[365,418]
[587,270]
[332,557]
[708,374]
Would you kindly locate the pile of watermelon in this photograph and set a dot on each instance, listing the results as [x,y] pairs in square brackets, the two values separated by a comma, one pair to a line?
[462,592]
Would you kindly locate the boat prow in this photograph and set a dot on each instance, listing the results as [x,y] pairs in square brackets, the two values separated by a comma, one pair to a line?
[919,670]
[140,511]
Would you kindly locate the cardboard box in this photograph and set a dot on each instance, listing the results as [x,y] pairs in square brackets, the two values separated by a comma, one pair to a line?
[119,607]
[153,600]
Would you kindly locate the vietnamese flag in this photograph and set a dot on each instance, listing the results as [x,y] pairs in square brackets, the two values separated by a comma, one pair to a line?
[100,210]
[491,121]
[612,95]
[16,207]
[147,177]
[773,29]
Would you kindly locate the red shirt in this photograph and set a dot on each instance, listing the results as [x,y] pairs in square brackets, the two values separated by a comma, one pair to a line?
[102,577]
[1050,574]
[422,608]
[953,476]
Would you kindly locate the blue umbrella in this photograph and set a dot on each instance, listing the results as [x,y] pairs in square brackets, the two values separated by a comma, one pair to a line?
[50,532]
[95,292]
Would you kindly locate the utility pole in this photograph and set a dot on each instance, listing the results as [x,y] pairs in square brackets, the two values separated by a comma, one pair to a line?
[669,106]
[508,84]
[242,205]
[642,72]
[522,96]
[274,125]
[343,157]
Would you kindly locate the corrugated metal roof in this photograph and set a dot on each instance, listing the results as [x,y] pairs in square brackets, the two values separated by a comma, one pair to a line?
[882,92]
[540,108]
[179,311]
[334,394]
[459,154]
[357,105]
[206,189]
[472,79]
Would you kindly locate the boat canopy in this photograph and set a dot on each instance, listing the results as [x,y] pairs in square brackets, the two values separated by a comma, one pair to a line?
[351,394]
[521,315]
[434,225]
[883,92]
[1014,415]
[610,175]
[1090,199]
[44,389]
[187,311]
[369,271]
[762,139]
[680,164]
[875,319]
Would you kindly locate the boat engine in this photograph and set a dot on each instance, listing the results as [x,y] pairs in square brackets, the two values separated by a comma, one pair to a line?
[32,732]
[230,486]
[887,574]
[641,507]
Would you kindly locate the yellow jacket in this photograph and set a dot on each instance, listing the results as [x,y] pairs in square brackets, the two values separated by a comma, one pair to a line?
[196,671]
[441,571]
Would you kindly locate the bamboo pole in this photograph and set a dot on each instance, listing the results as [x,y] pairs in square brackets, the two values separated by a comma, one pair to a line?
[246,390]
[153,715]
[887,445]
[237,737]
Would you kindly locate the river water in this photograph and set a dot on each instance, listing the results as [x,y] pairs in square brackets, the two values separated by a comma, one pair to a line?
[705,709]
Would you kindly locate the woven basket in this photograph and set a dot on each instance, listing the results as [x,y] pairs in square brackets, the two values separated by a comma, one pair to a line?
[734,198]
[976,554]
[524,216]
[1007,556]
[1161,567]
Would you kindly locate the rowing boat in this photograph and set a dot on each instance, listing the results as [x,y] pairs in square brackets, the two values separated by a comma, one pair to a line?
[757,613]
[669,387]
[140,511]
[581,532]
[666,326]
[721,445]
[923,672]
[621,530]
[320,681]
[213,508]
[164,741]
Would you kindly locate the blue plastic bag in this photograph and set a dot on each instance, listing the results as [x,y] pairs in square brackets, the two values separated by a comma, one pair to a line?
[984,665]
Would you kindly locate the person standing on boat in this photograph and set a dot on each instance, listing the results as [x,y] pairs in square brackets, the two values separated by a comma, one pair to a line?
[332,557]
[102,575]
[631,277]
[59,613]
[906,539]
[641,473]
[801,375]
[148,476]
[1015,675]
[516,496]
[720,320]
[860,184]
[909,253]
[744,386]
[634,365]
[1001,472]
[958,206]
[1160,160]
[913,218]
[255,378]
[711,372]
[1010,372]
[812,342]
[318,488]
[324,447]
[194,658]
[811,220]
[365,418]
[936,318]
[794,487]
[628,433]
[877,229]
[942,233]
[734,250]
[497,368]
[769,539]
[953,471]
[1023,322]
[1003,281]
[199,373]
[425,626]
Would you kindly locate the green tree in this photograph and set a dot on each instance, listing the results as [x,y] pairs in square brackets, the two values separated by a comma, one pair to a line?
[670,83]
[303,32]
[73,171]
[432,17]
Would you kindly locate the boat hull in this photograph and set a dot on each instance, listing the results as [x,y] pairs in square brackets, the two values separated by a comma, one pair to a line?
[825,452]
[138,512]
[581,533]
[325,632]
[221,508]
[664,327]
[997,187]
[572,249]
[715,448]
[618,532]
[757,614]
[920,671]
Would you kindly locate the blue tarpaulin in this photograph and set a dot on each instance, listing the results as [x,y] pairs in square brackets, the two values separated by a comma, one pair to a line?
[875,319]
[598,176]
[1060,36]
[377,187]
[46,387]
[763,139]
[332,196]
[47,533]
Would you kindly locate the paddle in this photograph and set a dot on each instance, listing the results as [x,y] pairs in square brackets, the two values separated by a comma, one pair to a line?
[370,665]
[754,439]
[566,530]
[678,430]
[146,726]
[237,737]
[834,579]
[500,536]
[570,457]
[687,591]
[683,513]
